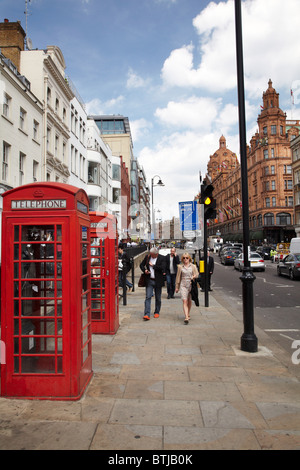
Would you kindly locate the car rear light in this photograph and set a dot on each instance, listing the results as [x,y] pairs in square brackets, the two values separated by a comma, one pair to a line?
[297,265]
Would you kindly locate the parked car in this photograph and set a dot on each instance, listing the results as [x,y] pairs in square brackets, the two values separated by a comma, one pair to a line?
[290,266]
[256,262]
[228,256]
[224,247]
[189,245]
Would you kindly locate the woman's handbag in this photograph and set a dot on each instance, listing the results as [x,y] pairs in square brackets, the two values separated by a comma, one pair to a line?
[142,280]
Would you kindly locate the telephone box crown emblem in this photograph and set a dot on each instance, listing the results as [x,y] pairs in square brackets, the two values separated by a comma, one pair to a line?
[38,193]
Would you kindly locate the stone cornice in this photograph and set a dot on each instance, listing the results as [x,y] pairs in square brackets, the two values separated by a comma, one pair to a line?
[60,80]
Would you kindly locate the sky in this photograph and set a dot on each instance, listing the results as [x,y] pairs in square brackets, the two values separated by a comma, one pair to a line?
[170,67]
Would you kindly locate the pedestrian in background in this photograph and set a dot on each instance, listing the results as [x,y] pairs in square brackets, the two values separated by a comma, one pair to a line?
[124,266]
[154,266]
[172,261]
[210,269]
[186,271]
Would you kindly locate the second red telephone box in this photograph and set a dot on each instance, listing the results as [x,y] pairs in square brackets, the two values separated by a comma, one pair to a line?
[46,318]
[104,273]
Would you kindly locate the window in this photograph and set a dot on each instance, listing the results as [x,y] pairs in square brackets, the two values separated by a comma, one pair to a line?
[6,105]
[114,126]
[272,170]
[22,157]
[266,170]
[266,154]
[265,130]
[48,139]
[56,146]
[22,122]
[35,130]
[269,219]
[5,159]
[94,173]
[273,130]
[273,185]
[57,105]
[267,186]
[49,96]
[283,219]
[287,169]
[289,201]
[288,184]
[272,153]
[35,167]
[281,130]
[116,172]
[273,201]
[116,195]
[268,202]
[64,152]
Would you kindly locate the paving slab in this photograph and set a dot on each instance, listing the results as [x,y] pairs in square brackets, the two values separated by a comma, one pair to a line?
[165,386]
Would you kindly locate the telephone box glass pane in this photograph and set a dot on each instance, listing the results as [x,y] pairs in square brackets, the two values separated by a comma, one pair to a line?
[38,334]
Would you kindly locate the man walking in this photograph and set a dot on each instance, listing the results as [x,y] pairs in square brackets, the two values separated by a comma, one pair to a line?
[172,261]
[154,266]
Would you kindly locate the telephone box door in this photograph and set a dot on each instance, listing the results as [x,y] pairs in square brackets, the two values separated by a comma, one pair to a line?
[36,337]
[104,274]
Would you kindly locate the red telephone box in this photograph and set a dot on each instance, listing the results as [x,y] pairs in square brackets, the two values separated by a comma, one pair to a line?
[46,318]
[104,273]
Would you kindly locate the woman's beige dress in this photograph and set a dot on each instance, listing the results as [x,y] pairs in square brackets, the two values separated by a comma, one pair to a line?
[185,284]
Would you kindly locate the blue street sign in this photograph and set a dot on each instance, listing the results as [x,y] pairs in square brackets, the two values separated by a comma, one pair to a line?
[188,215]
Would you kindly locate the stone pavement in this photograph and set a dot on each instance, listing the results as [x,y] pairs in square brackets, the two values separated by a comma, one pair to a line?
[165,386]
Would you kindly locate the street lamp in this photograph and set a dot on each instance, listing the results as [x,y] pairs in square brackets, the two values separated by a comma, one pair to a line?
[248,339]
[159,183]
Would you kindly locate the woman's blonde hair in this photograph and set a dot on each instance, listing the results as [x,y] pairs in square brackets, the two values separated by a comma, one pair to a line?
[185,255]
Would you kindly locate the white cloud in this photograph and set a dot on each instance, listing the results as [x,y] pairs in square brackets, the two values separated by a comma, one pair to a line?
[139,128]
[96,106]
[177,159]
[135,81]
[266,52]
[192,113]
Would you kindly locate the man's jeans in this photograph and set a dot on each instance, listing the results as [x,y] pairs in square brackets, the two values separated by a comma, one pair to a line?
[149,292]
[171,284]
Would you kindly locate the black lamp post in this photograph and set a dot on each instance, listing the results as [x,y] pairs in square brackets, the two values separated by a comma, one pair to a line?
[159,183]
[248,339]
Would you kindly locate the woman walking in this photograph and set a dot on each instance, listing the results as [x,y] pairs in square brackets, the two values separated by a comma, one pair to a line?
[185,273]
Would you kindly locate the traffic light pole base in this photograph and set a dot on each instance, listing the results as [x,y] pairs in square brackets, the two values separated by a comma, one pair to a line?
[248,339]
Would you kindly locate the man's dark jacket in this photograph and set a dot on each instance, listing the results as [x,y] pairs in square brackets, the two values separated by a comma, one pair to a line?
[159,269]
[176,261]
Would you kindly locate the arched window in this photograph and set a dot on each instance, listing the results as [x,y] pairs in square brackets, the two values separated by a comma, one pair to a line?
[283,218]
[269,219]
[259,220]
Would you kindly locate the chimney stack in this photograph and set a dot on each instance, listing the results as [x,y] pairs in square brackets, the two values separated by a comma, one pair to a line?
[12,38]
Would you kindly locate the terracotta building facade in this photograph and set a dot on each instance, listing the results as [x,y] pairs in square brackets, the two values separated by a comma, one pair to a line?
[270,180]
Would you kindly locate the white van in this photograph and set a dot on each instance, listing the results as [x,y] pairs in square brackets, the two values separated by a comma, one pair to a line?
[295,245]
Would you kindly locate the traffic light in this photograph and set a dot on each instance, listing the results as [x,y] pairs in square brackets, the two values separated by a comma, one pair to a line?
[208,201]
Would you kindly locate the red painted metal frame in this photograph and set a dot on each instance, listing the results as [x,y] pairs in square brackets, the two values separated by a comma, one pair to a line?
[45,304]
[104,273]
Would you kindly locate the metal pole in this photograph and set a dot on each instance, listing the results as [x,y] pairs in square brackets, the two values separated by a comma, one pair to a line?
[248,339]
[206,301]
[124,285]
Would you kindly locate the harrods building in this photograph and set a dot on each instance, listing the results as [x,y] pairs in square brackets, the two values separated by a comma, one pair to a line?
[270,179]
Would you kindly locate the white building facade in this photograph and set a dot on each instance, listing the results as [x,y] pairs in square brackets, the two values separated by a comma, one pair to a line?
[78,163]
[46,71]
[99,158]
